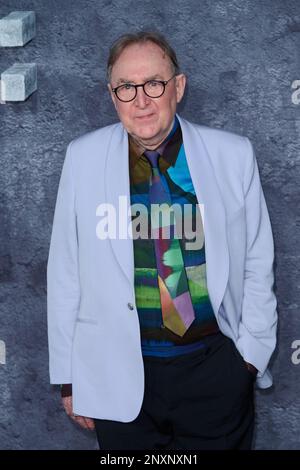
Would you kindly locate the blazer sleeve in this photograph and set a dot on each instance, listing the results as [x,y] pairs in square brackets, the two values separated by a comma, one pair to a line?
[63,288]
[257,329]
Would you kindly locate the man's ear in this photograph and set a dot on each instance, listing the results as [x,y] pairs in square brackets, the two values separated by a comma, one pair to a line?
[112,95]
[180,86]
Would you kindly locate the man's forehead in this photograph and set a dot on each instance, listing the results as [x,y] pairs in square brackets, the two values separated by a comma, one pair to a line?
[144,78]
[153,59]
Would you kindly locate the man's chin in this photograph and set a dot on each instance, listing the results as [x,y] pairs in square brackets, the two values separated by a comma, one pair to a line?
[144,135]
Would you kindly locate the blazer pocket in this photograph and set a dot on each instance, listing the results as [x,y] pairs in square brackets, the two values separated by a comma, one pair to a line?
[90,321]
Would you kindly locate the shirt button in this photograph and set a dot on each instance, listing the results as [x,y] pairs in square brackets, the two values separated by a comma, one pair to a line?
[130,306]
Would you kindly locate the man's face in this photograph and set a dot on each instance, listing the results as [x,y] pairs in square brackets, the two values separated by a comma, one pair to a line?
[148,120]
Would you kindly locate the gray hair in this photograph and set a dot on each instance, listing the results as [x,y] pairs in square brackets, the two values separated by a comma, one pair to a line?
[140,37]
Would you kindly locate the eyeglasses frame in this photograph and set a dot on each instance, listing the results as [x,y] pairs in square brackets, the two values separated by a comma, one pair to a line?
[163,82]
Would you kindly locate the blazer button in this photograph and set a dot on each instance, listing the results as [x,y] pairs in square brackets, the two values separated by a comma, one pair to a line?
[162,326]
[130,306]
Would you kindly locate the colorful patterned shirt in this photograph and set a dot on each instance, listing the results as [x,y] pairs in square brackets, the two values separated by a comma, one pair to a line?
[157,340]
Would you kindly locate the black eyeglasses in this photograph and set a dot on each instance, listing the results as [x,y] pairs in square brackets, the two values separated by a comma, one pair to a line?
[152,88]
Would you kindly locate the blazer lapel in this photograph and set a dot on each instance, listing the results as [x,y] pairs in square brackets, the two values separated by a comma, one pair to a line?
[208,193]
[117,192]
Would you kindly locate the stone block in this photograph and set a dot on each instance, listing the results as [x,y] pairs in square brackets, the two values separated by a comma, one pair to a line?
[18,82]
[2,352]
[17,28]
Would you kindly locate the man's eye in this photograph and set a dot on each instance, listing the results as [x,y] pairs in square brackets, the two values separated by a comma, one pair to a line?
[153,83]
[127,86]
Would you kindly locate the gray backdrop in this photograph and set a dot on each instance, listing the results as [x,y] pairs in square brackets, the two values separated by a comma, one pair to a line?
[241,58]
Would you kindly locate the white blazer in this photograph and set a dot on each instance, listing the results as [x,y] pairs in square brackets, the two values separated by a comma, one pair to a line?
[93,325]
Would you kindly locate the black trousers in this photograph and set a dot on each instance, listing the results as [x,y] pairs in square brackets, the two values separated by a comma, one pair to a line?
[202,400]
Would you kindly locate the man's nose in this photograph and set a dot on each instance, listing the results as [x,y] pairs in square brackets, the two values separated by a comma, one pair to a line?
[141,99]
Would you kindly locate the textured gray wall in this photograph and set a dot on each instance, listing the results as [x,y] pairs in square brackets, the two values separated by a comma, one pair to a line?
[240,57]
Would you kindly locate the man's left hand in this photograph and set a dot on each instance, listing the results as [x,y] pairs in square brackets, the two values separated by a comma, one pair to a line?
[251,368]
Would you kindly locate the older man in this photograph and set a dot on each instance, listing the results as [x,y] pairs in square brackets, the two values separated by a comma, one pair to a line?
[161,308]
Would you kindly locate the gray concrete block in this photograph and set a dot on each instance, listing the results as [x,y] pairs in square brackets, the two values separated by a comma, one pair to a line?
[1,99]
[17,28]
[18,82]
[2,352]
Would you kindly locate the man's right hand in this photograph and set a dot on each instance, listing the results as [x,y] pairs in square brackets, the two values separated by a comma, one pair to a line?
[86,423]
